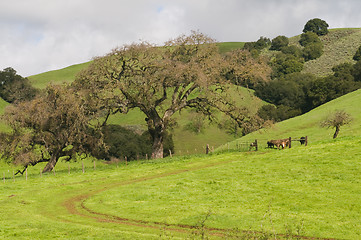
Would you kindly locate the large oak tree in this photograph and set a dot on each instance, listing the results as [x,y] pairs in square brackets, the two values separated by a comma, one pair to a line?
[57,124]
[160,81]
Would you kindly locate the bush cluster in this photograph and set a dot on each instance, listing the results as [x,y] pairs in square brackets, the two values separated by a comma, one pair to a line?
[123,142]
[15,88]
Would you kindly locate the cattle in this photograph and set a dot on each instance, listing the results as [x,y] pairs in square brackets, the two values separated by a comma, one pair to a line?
[279,143]
[303,140]
[253,145]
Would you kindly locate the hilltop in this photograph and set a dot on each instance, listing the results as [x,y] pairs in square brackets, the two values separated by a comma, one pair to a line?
[339,46]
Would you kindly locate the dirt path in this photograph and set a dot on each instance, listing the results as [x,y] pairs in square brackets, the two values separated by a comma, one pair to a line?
[76,206]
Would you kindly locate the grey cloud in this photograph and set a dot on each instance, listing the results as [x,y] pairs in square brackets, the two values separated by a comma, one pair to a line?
[41,35]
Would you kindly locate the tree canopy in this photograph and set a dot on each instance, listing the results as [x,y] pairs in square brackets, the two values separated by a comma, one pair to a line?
[336,120]
[188,72]
[316,25]
[14,87]
[56,124]
[279,42]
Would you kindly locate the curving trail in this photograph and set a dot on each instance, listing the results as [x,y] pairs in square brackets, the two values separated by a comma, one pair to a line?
[75,206]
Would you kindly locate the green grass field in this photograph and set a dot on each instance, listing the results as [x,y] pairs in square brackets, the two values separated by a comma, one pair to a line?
[308,192]
[311,191]
[309,124]
[60,76]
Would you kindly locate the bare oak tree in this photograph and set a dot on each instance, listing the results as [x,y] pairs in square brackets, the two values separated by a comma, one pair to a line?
[57,124]
[160,81]
[336,120]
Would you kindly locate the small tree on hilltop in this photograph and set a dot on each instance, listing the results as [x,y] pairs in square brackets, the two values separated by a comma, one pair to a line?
[316,25]
[336,120]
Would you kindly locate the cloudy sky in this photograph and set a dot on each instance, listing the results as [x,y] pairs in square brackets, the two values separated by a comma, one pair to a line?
[42,35]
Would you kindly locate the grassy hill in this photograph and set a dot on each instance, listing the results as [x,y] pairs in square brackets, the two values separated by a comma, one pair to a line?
[308,192]
[68,74]
[57,76]
[340,45]
[299,193]
[309,124]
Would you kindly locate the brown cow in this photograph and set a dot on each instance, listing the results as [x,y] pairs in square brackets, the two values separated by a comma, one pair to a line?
[279,143]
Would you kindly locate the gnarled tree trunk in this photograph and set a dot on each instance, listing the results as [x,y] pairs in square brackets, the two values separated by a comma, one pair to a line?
[156,130]
[51,164]
[157,148]
[336,132]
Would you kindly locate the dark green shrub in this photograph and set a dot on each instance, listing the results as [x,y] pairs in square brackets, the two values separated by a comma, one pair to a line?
[123,142]
[312,51]
[292,50]
[316,25]
[285,64]
[14,88]
[309,38]
[277,114]
[279,42]
[357,56]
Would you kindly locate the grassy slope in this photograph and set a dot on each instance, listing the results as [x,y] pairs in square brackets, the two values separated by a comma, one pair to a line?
[310,191]
[3,104]
[185,141]
[340,45]
[309,123]
[68,74]
[57,76]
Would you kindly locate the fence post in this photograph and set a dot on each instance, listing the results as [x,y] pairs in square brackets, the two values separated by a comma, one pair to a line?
[170,153]
[94,164]
[68,167]
[26,174]
[126,160]
[290,142]
[82,166]
[256,142]
[306,141]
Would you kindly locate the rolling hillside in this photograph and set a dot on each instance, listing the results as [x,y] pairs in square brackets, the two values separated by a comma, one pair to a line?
[308,192]
[309,124]
[340,45]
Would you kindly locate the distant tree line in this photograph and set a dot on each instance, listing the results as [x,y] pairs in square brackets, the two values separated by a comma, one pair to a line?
[291,92]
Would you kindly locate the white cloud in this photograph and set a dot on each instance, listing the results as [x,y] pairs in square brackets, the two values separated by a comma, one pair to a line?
[41,35]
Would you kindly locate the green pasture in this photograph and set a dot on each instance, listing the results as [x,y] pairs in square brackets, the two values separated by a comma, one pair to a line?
[311,191]
[68,74]
[229,46]
[60,76]
[308,124]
